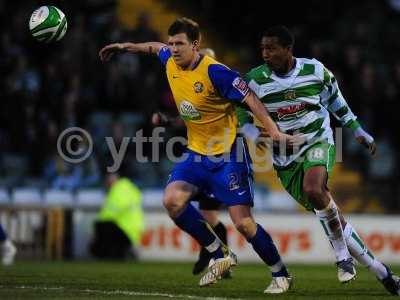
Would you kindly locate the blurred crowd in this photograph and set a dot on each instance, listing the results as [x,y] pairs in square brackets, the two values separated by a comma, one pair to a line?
[47,88]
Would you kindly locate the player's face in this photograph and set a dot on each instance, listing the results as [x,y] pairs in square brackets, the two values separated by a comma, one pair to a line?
[182,49]
[275,55]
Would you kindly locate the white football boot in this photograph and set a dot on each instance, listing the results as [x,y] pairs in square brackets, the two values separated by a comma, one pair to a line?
[279,285]
[346,270]
[217,268]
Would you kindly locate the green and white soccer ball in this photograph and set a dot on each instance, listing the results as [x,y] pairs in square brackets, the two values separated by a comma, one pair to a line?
[48,24]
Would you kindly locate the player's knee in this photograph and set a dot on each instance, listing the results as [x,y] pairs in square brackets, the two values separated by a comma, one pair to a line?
[314,191]
[247,227]
[173,203]
[211,217]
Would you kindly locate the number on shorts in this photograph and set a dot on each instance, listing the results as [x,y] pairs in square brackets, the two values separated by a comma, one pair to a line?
[316,154]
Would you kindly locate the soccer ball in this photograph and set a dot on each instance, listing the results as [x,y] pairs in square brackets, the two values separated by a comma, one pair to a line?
[47,24]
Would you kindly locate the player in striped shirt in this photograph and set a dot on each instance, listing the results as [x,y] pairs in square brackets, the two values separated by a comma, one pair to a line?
[300,95]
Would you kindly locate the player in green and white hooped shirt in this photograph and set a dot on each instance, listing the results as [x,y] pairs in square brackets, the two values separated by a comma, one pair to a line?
[300,94]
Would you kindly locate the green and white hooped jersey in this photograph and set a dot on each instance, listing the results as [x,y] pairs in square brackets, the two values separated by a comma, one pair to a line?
[301,102]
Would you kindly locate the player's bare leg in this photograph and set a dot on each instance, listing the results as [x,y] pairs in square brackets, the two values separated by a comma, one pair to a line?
[211,216]
[314,187]
[264,247]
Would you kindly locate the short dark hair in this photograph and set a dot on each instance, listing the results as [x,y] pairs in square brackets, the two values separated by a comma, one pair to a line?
[282,33]
[185,25]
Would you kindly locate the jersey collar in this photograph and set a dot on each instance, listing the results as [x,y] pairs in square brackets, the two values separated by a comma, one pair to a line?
[194,66]
[198,62]
[287,81]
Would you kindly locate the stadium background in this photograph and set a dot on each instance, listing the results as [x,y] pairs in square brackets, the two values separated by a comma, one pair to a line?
[45,89]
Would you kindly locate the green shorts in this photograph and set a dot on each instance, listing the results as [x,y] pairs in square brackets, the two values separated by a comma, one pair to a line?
[291,176]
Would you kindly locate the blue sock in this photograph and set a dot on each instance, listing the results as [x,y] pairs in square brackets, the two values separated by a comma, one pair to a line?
[3,235]
[192,222]
[264,246]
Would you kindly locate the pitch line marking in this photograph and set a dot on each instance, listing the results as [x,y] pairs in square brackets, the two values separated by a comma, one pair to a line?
[118,292]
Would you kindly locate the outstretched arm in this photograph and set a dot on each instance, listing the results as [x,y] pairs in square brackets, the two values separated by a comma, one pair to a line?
[337,105]
[149,48]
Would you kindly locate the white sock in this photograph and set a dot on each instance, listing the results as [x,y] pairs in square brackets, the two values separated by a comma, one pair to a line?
[362,254]
[277,267]
[329,218]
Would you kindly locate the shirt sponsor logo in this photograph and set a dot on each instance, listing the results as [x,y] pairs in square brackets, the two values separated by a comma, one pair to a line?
[188,111]
[198,87]
[240,85]
[292,111]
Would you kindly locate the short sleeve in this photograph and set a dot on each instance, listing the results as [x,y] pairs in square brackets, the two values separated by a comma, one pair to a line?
[164,55]
[228,83]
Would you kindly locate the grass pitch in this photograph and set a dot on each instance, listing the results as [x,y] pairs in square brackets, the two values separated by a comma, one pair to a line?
[110,280]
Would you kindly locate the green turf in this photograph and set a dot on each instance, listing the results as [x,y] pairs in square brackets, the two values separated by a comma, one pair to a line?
[94,280]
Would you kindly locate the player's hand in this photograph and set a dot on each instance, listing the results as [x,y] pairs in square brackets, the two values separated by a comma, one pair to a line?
[365,139]
[265,139]
[370,145]
[156,119]
[290,141]
[159,119]
[108,51]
